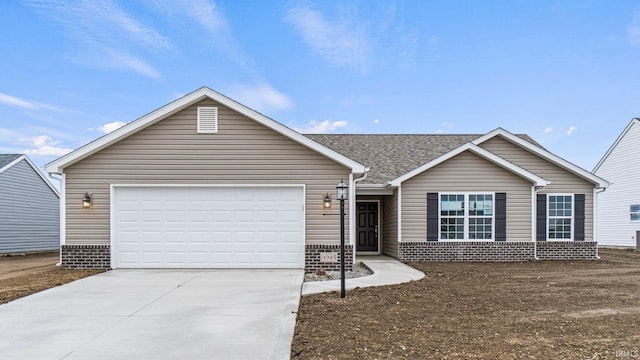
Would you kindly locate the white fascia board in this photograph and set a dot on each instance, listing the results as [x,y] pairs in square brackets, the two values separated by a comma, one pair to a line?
[35,168]
[633,122]
[374,189]
[535,179]
[57,166]
[555,159]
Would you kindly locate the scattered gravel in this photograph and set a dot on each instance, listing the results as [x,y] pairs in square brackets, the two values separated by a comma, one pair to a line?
[359,270]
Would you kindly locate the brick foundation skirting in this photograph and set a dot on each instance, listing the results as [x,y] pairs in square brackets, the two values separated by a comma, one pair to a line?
[465,251]
[86,256]
[496,251]
[313,261]
[567,250]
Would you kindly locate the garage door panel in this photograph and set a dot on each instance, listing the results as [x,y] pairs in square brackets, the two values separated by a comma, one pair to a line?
[209,227]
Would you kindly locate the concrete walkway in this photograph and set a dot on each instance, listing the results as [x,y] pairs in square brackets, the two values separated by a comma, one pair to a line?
[157,314]
[386,271]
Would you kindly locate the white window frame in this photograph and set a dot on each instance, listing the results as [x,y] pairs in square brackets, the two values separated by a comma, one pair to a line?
[631,212]
[572,217]
[466,215]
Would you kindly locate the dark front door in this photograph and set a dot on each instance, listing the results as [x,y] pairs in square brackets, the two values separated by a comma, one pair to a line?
[367,226]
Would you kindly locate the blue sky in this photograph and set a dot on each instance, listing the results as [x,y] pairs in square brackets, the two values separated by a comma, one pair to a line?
[564,72]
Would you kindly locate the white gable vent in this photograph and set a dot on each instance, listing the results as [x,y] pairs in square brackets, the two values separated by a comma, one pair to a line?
[207,120]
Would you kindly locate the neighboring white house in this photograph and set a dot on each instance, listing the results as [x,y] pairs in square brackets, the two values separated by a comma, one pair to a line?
[618,208]
[29,207]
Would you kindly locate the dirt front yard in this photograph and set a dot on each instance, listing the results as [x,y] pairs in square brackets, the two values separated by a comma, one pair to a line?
[22,275]
[530,310]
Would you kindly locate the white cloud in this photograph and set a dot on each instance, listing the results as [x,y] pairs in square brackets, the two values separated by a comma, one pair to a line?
[323,127]
[99,23]
[26,104]
[445,126]
[124,61]
[105,33]
[571,130]
[548,130]
[261,97]
[14,101]
[342,42]
[633,28]
[376,121]
[352,40]
[112,126]
[210,18]
[43,145]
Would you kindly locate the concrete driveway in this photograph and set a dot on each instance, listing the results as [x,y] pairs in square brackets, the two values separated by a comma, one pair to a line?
[157,314]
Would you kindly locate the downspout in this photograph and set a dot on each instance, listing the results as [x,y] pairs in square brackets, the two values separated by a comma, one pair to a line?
[596,191]
[352,206]
[534,197]
[61,192]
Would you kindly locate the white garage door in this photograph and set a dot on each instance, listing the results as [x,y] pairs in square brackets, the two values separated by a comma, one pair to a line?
[208,227]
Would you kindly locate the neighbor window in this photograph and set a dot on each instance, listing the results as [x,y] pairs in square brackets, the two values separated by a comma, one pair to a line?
[635,212]
[560,217]
[466,216]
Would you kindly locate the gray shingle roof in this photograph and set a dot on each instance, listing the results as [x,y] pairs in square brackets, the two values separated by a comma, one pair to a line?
[6,159]
[390,156]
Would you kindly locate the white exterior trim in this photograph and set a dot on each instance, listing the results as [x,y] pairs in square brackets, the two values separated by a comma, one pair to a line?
[399,214]
[35,168]
[57,166]
[538,181]
[635,121]
[112,203]
[573,215]
[599,182]
[63,211]
[374,189]
[466,215]
[352,213]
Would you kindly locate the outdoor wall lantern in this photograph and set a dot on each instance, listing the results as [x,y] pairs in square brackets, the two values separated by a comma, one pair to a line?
[342,195]
[87,201]
[342,190]
[327,202]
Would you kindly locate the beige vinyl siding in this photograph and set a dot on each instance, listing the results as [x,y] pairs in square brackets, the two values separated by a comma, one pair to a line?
[390,220]
[466,172]
[171,152]
[562,181]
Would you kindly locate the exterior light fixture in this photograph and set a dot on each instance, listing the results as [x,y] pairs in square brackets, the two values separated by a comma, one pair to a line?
[87,201]
[342,190]
[327,202]
[342,195]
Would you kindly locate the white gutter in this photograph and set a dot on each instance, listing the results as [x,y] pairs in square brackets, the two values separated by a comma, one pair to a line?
[534,214]
[352,212]
[61,212]
[596,191]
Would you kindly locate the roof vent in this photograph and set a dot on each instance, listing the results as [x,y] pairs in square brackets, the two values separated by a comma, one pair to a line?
[208,120]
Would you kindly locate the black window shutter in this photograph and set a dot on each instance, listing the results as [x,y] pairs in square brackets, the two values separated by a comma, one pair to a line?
[432,217]
[578,227]
[501,216]
[541,216]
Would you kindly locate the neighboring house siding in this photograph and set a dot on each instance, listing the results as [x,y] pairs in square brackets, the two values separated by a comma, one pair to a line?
[466,172]
[390,220]
[29,211]
[562,181]
[622,169]
[171,152]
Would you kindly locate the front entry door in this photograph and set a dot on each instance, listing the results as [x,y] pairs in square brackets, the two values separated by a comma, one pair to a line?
[367,226]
